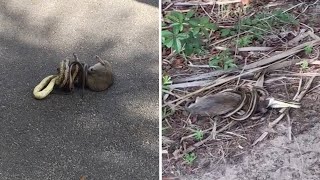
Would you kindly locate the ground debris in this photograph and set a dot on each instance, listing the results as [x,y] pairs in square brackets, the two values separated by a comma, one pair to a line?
[285,61]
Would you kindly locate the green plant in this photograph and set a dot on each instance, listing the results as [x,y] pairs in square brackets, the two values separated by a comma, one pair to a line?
[245,40]
[173,39]
[259,25]
[166,112]
[308,49]
[222,60]
[186,31]
[189,158]
[198,135]
[284,17]
[227,32]
[266,21]
[304,65]
[166,81]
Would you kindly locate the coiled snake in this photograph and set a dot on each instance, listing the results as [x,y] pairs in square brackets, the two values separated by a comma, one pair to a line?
[69,75]
[238,104]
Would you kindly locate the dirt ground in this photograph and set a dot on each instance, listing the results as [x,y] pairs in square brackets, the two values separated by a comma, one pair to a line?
[277,156]
[111,134]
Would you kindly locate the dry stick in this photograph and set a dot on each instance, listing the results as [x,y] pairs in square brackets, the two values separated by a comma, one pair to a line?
[223,2]
[298,98]
[246,49]
[207,13]
[191,84]
[264,62]
[299,89]
[314,36]
[282,55]
[298,38]
[166,8]
[204,76]
[217,83]
[216,73]
[193,3]
[296,74]
[255,64]
[245,63]
[289,128]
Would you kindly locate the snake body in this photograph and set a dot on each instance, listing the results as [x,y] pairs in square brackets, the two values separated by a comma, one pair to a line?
[252,95]
[45,87]
[65,79]
[230,102]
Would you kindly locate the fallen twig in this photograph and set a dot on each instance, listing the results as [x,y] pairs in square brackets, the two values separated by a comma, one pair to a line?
[282,55]
[194,3]
[283,113]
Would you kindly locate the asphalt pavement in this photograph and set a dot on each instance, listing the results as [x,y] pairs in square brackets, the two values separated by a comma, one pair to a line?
[104,136]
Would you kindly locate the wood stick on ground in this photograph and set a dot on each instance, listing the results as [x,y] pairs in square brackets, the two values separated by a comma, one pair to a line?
[289,128]
[298,99]
[217,83]
[193,3]
[204,76]
[282,55]
[260,63]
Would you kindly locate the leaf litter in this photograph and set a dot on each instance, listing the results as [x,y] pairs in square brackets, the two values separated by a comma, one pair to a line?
[273,62]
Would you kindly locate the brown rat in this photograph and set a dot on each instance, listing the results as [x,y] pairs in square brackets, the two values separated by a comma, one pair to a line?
[100,76]
[216,104]
[249,98]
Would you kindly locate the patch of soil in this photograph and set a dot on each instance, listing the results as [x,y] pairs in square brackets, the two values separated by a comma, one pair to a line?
[232,156]
[278,158]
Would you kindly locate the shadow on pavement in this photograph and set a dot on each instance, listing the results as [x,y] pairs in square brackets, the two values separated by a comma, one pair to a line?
[150,2]
[106,135]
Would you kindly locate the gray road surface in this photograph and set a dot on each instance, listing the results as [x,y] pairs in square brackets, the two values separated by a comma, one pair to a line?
[107,135]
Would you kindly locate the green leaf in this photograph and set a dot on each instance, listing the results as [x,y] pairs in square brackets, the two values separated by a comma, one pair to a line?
[166,33]
[189,158]
[255,21]
[198,135]
[175,24]
[225,32]
[178,15]
[172,18]
[168,43]
[195,31]
[205,32]
[189,14]
[232,33]
[166,80]
[182,36]
[181,27]
[304,64]
[177,45]
[245,41]
[194,22]
[204,20]
[214,62]
[308,49]
[247,21]
[211,26]
[176,30]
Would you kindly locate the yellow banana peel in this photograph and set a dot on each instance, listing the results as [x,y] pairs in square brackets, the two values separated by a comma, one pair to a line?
[44,88]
